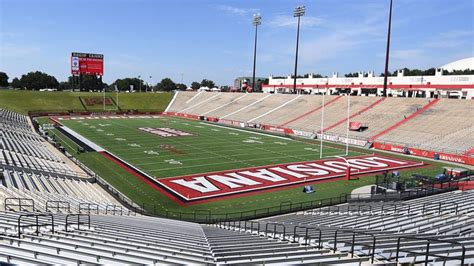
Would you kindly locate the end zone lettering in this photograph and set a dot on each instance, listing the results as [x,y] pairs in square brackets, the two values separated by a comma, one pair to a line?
[211,185]
[165,132]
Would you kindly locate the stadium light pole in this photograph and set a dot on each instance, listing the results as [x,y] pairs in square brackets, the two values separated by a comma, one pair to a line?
[256,21]
[387,52]
[140,80]
[151,83]
[298,13]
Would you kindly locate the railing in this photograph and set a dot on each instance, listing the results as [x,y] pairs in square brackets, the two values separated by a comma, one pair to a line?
[58,205]
[348,208]
[307,239]
[36,224]
[353,242]
[427,253]
[21,203]
[275,225]
[439,207]
[124,200]
[113,209]
[79,223]
[88,208]
[206,216]
[271,228]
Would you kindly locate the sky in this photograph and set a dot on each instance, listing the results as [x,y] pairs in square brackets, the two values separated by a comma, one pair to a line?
[189,40]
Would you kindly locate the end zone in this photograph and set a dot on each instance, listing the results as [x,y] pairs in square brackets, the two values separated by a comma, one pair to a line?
[241,181]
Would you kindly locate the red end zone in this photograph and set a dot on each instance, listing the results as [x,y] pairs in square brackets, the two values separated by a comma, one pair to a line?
[219,184]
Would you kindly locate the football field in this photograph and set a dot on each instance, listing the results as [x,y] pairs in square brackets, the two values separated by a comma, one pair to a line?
[197,147]
[168,148]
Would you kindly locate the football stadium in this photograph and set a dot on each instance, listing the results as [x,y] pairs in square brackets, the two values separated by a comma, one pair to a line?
[353,169]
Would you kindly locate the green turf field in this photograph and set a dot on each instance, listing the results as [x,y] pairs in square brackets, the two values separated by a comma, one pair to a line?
[210,148]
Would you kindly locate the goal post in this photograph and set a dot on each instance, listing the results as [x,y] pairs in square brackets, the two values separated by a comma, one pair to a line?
[322,134]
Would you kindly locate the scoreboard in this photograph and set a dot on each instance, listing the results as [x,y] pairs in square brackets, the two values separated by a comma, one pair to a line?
[87,64]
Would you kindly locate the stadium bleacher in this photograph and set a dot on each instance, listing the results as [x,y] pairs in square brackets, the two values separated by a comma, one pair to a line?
[443,126]
[445,221]
[350,234]
[53,216]
[31,172]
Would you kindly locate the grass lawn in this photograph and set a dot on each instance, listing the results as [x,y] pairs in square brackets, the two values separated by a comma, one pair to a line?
[24,101]
[209,148]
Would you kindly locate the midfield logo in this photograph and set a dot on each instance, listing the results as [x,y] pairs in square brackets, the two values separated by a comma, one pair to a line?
[218,184]
[165,132]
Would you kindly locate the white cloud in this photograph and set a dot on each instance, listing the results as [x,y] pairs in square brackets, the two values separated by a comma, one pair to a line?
[237,10]
[11,50]
[450,39]
[289,21]
[11,35]
[406,55]
[338,39]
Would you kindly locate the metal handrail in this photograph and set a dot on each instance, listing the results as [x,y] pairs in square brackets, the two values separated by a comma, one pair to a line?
[57,205]
[427,253]
[78,215]
[307,237]
[19,204]
[37,224]
[114,209]
[275,225]
[89,209]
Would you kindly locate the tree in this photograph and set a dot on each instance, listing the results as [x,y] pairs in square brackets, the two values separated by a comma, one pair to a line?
[38,80]
[195,85]
[3,79]
[166,84]
[124,84]
[181,86]
[459,72]
[208,83]
[91,82]
[63,85]
[16,83]
[88,83]
[351,75]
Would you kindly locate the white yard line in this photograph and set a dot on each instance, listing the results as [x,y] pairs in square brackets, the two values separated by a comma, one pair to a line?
[247,131]
[276,108]
[172,101]
[303,153]
[224,105]
[247,106]
[227,162]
